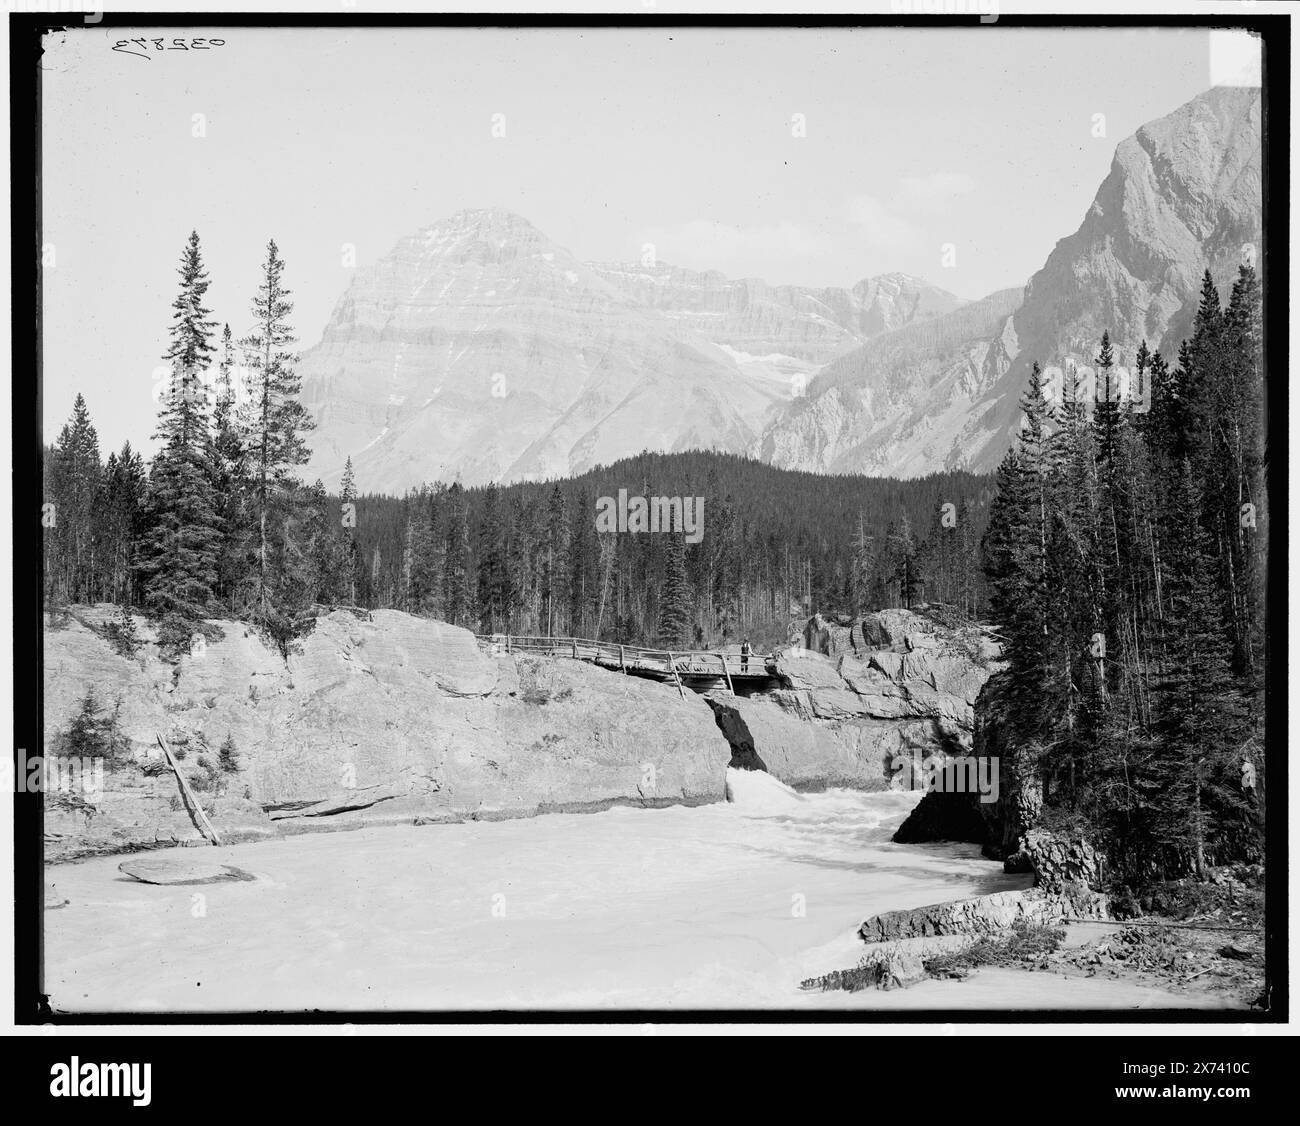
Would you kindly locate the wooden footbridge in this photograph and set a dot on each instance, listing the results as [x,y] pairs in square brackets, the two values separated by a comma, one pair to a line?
[699,670]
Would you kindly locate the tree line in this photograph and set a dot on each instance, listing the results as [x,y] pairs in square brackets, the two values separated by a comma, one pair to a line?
[218,525]
[210,527]
[1125,559]
[528,558]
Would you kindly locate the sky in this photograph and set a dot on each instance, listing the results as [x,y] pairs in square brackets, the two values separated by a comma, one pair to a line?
[813,157]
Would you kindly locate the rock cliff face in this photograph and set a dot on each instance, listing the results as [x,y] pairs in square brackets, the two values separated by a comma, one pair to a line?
[1183,195]
[801,325]
[910,402]
[1009,829]
[398,718]
[405,716]
[878,698]
[1000,825]
[478,348]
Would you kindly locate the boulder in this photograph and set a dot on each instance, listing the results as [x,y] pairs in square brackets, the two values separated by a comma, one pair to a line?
[893,630]
[888,664]
[801,668]
[897,630]
[980,915]
[900,963]
[1058,864]
[174,870]
[894,966]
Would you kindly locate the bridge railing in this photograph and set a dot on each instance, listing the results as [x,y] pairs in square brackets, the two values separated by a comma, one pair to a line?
[669,662]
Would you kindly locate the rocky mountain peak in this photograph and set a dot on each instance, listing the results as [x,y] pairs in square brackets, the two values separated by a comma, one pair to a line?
[1183,194]
[480,236]
[481,349]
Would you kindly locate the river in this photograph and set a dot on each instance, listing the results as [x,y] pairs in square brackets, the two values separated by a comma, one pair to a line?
[724,906]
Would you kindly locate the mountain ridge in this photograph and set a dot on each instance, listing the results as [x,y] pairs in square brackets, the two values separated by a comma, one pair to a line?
[479,349]
[1183,195]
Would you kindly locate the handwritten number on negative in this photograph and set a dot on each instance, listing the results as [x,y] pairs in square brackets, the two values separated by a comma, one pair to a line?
[124,45]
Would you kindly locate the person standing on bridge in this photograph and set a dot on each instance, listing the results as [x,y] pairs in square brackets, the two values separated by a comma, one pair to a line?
[745,651]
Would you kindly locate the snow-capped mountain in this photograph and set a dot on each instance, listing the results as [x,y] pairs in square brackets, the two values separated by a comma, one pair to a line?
[480,349]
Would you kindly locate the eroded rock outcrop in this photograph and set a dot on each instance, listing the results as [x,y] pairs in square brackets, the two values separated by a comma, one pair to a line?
[1058,864]
[997,826]
[409,715]
[864,701]
[980,915]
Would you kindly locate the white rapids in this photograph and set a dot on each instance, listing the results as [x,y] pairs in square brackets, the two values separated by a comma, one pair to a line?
[724,906]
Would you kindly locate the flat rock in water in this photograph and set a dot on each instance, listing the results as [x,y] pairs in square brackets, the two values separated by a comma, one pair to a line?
[170,870]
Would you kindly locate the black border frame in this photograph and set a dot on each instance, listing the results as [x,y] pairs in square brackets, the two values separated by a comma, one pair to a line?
[31,1005]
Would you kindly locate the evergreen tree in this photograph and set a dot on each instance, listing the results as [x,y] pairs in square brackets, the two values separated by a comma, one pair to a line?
[862,569]
[319,546]
[428,554]
[350,557]
[228,755]
[180,556]
[274,421]
[494,592]
[230,480]
[1106,410]
[458,578]
[1197,769]
[123,633]
[87,733]
[121,523]
[286,613]
[75,485]
[906,557]
[584,560]
[674,624]
[555,564]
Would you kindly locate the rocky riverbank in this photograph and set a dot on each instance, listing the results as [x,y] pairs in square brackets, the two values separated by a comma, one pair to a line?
[864,703]
[1202,947]
[386,718]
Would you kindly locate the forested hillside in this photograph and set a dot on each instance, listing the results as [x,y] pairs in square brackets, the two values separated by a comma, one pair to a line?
[1126,555]
[527,558]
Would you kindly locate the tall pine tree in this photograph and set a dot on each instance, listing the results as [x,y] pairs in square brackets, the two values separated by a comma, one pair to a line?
[179,558]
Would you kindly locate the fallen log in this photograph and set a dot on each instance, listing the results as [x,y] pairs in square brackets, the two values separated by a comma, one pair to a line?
[339,801]
[200,818]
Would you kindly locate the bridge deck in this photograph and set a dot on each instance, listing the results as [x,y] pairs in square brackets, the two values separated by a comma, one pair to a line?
[698,669]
